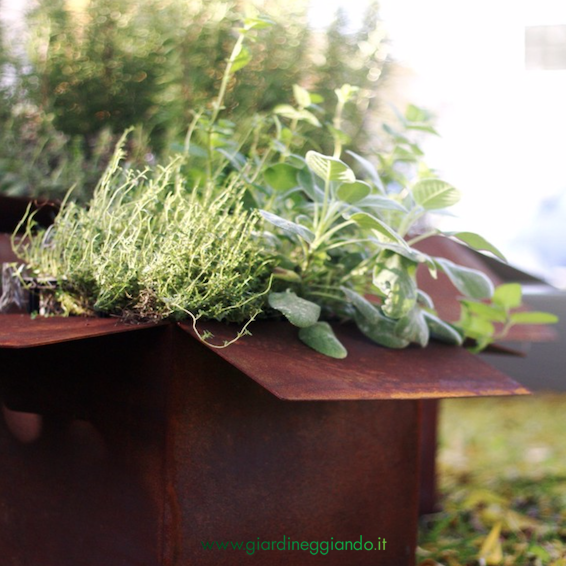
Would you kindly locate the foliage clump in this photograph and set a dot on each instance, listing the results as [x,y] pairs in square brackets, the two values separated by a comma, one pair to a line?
[340,238]
[148,248]
[92,69]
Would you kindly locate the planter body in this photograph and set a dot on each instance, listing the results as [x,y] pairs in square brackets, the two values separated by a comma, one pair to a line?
[151,444]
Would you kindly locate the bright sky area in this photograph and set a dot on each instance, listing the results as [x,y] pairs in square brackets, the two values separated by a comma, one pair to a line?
[502,127]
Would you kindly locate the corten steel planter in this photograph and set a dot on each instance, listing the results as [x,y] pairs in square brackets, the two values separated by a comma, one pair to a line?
[152,443]
[148,443]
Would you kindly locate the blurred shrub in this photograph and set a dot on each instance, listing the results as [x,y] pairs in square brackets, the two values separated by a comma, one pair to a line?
[96,67]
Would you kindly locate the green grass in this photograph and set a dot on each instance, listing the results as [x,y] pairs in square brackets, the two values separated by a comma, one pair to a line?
[502,470]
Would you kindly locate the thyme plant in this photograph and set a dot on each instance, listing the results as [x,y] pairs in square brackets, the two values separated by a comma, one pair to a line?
[148,248]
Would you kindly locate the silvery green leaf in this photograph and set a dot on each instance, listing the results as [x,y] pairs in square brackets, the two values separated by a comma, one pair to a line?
[405,250]
[353,192]
[288,226]
[381,203]
[381,332]
[370,222]
[321,337]
[309,117]
[476,242]
[302,96]
[413,327]
[299,312]
[287,111]
[442,330]
[395,279]
[363,306]
[470,282]
[281,176]
[370,169]
[308,184]
[329,168]
[434,193]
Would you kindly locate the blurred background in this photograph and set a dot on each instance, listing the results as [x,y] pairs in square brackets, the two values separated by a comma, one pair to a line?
[74,73]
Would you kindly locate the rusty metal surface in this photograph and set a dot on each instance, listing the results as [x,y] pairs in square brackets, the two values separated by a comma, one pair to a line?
[275,358]
[89,490]
[244,465]
[21,331]
[151,444]
[445,295]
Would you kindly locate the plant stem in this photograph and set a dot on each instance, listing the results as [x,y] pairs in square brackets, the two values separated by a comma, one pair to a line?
[216,107]
[337,123]
[421,237]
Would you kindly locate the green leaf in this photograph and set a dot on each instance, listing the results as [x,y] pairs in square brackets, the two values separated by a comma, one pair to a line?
[353,192]
[489,312]
[370,169]
[363,306]
[302,96]
[476,242]
[329,168]
[422,128]
[339,135]
[405,155]
[259,22]
[381,203]
[403,249]
[287,111]
[508,296]
[434,193]
[282,177]
[534,317]
[381,332]
[308,184]
[415,114]
[309,117]
[321,337]
[394,277]
[469,282]
[368,221]
[442,330]
[242,59]
[346,92]
[237,160]
[372,323]
[413,327]
[286,275]
[300,312]
[288,226]
[477,328]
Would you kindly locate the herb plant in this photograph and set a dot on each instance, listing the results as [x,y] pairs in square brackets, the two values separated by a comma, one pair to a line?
[244,223]
[146,248]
